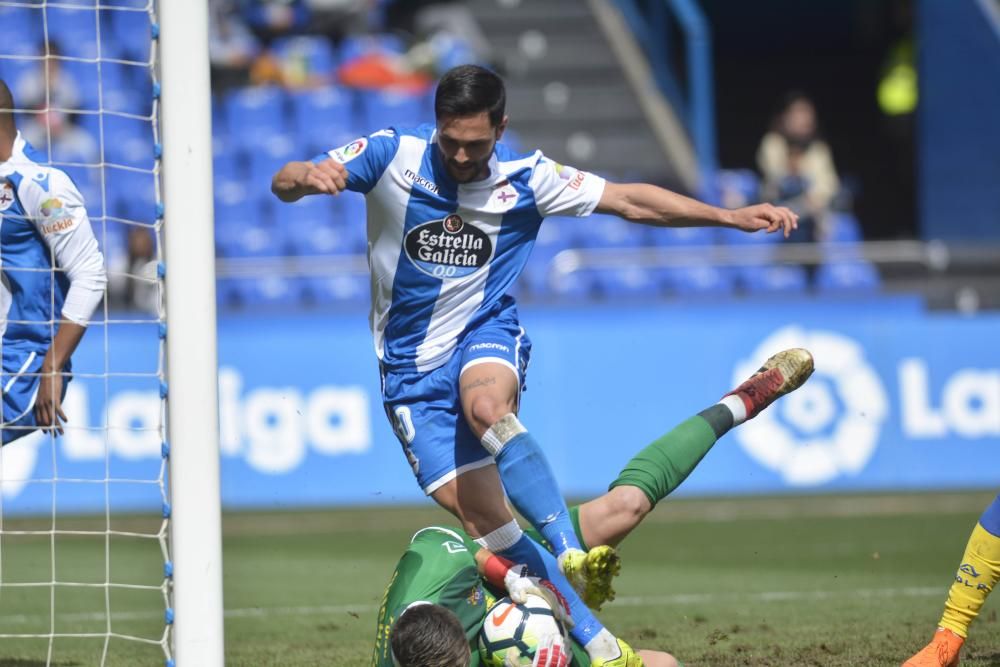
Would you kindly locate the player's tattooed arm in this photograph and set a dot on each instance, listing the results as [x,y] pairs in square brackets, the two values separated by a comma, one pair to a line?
[481,382]
[652,205]
[297,179]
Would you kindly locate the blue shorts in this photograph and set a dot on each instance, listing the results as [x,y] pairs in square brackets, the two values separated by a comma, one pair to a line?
[425,409]
[19,384]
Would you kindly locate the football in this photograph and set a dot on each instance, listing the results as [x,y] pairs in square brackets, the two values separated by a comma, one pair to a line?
[511,632]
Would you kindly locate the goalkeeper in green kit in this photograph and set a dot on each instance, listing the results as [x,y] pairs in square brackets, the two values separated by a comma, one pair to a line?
[438,597]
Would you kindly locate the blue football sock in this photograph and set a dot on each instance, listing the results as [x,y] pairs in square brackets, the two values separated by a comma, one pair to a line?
[543,564]
[532,488]
[990,520]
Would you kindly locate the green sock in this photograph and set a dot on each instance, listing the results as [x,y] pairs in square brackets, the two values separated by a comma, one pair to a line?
[661,467]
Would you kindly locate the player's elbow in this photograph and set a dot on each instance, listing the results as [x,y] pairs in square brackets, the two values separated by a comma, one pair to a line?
[625,201]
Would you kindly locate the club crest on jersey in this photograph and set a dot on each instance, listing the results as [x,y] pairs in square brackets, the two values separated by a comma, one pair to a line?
[345,154]
[448,248]
[6,196]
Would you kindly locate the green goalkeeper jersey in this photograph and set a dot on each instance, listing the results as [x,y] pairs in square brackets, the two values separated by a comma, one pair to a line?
[439,567]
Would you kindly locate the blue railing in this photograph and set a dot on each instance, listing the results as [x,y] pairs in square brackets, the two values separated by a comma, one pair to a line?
[653,22]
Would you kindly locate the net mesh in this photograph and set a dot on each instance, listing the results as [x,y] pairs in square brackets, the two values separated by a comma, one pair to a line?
[85,569]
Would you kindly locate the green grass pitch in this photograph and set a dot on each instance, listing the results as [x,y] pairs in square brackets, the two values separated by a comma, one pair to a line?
[840,580]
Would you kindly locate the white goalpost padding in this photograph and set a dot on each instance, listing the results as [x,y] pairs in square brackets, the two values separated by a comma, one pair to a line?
[192,365]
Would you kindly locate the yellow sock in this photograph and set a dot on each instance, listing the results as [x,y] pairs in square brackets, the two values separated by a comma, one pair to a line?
[976,577]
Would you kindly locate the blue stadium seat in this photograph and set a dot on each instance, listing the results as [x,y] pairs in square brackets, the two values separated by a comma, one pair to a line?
[842,227]
[254,114]
[251,240]
[679,236]
[351,219]
[737,187]
[133,32]
[312,227]
[271,154]
[555,235]
[609,231]
[630,281]
[13,70]
[227,293]
[761,279]
[386,108]
[87,79]
[267,291]
[323,116]
[698,280]
[227,165]
[132,195]
[128,142]
[571,286]
[337,289]
[74,29]
[26,23]
[847,276]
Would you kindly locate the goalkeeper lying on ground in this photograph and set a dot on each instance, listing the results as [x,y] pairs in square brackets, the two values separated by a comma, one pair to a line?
[437,599]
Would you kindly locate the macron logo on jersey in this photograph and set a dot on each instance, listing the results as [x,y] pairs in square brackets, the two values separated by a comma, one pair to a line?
[417,179]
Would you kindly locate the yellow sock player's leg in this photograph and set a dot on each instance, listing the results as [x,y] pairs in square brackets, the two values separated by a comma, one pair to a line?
[975,579]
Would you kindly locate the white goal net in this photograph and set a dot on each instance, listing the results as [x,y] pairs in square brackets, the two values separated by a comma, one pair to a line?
[85,558]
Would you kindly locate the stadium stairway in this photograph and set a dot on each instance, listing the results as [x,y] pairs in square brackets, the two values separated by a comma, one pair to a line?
[567,92]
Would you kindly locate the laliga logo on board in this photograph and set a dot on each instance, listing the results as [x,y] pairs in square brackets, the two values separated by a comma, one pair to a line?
[828,427]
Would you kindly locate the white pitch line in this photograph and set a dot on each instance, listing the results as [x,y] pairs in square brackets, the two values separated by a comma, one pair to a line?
[625,601]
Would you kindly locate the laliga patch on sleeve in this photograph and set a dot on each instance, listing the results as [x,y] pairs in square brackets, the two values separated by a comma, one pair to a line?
[345,154]
[57,218]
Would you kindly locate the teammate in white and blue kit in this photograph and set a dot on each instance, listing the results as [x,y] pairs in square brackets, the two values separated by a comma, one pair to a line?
[53,279]
[452,217]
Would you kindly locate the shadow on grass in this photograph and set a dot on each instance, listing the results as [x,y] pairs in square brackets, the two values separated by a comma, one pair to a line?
[18,662]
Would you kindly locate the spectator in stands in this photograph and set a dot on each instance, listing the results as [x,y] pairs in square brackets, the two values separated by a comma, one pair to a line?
[446,34]
[797,166]
[339,18]
[133,284]
[232,47]
[51,93]
[50,85]
[273,18]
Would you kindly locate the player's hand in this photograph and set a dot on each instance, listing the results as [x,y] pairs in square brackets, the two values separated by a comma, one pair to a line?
[48,403]
[519,585]
[329,177]
[551,652]
[768,217]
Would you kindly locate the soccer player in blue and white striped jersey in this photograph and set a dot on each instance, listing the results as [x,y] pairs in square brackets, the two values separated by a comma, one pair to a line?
[452,217]
[53,280]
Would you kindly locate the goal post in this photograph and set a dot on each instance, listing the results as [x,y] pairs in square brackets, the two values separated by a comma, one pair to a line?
[192,364]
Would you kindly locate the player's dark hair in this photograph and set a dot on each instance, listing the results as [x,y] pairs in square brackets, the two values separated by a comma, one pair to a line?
[6,110]
[470,89]
[429,635]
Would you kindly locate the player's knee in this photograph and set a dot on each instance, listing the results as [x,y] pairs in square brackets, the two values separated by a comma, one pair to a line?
[485,411]
[629,504]
[483,520]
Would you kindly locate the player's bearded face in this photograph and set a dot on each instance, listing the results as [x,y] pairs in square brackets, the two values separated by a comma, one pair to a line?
[466,144]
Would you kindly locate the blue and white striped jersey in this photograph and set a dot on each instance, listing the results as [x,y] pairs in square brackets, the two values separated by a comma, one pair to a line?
[43,224]
[443,255]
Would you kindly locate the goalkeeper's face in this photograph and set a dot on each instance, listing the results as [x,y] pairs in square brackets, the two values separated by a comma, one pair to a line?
[429,635]
[467,143]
